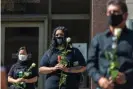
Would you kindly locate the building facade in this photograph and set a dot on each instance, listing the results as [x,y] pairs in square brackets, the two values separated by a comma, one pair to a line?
[30,23]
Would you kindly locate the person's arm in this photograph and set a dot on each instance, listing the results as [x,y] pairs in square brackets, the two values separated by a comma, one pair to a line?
[44,69]
[80,63]
[92,62]
[31,80]
[47,70]
[77,69]
[12,80]
[129,75]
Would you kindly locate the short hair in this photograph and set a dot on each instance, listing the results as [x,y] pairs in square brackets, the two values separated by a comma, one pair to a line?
[23,48]
[120,3]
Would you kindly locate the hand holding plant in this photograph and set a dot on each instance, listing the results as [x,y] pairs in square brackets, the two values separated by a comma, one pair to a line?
[20,81]
[112,55]
[62,60]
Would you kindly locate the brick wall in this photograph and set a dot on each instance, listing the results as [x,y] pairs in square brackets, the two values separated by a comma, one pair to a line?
[98,21]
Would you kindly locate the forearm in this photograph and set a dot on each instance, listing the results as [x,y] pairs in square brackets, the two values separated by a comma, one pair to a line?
[93,72]
[77,69]
[11,80]
[32,80]
[45,70]
[129,75]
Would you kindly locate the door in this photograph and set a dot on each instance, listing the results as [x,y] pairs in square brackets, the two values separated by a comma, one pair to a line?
[17,34]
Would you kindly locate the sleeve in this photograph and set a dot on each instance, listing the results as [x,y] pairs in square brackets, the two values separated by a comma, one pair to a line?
[45,60]
[80,57]
[92,62]
[129,71]
[11,71]
[35,72]
[129,75]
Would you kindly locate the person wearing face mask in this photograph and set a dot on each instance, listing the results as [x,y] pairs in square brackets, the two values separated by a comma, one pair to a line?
[98,64]
[17,70]
[50,66]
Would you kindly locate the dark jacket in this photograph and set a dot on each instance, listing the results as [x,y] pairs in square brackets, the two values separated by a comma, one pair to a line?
[97,63]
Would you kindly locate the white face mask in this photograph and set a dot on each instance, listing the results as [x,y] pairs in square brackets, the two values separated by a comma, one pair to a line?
[22,57]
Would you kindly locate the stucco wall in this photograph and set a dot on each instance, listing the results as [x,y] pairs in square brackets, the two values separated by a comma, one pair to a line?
[130,8]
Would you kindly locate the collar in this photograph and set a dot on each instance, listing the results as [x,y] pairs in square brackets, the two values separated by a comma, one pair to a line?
[109,33]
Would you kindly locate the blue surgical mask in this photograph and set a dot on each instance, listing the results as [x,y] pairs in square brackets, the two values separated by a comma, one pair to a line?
[59,40]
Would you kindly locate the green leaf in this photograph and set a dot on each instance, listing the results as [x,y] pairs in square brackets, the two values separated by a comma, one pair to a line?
[70,46]
[114,74]
[69,50]
[111,56]
[112,65]
[107,55]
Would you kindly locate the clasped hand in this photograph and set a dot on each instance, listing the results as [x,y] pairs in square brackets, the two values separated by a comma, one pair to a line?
[121,78]
[106,83]
[18,80]
[109,83]
[60,67]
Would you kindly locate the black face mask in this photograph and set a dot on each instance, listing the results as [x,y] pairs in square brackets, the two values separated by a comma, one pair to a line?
[59,40]
[115,20]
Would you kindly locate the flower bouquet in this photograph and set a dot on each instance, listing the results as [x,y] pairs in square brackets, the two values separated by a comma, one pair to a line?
[23,75]
[62,59]
[112,55]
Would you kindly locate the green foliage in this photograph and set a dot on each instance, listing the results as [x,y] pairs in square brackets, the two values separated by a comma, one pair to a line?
[64,62]
[114,64]
[22,85]
[112,57]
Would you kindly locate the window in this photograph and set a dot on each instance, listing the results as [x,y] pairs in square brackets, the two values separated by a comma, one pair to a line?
[130,23]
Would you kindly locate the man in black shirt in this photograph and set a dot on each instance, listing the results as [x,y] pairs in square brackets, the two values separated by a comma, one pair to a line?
[97,64]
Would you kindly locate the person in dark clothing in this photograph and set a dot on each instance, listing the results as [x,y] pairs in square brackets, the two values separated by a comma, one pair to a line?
[18,70]
[97,63]
[50,66]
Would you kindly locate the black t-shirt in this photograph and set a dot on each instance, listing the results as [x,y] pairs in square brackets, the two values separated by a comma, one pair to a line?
[75,58]
[15,73]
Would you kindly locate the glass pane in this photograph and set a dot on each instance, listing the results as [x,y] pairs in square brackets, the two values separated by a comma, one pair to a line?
[15,37]
[78,29]
[41,6]
[25,7]
[70,6]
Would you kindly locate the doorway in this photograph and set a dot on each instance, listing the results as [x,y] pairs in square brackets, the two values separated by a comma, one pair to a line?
[32,35]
